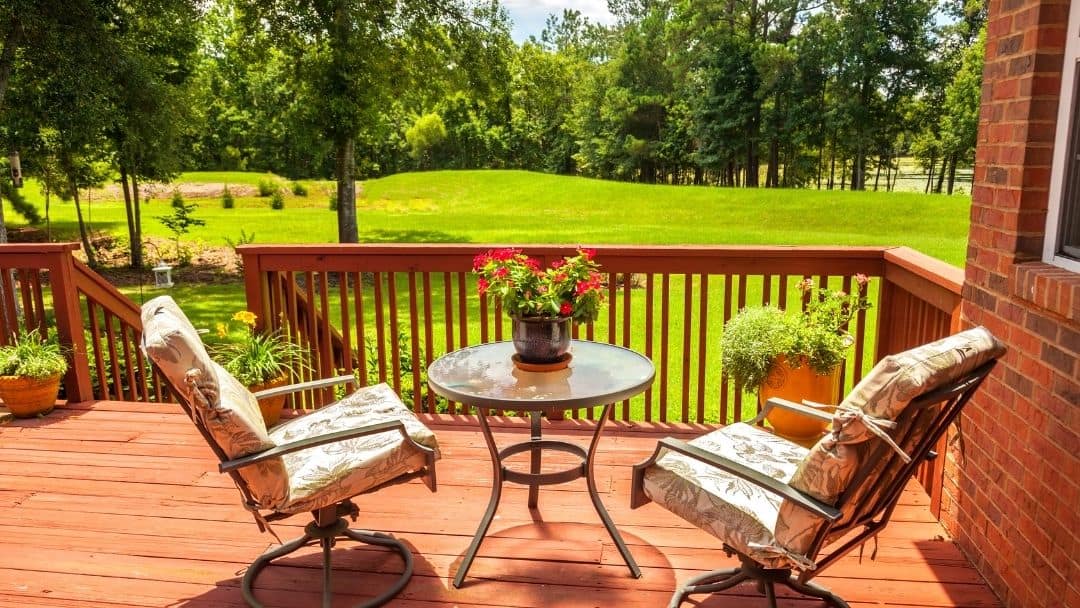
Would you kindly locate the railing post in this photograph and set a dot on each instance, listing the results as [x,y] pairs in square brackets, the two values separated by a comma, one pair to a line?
[255,288]
[69,325]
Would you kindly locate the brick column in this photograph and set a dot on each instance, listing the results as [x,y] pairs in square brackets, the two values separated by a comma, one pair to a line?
[1011,477]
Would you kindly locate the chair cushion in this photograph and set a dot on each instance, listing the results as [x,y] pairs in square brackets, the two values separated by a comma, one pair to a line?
[329,473]
[227,410]
[737,512]
[883,394]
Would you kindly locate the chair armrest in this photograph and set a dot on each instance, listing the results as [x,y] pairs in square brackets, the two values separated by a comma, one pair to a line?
[755,477]
[311,442]
[304,386]
[791,406]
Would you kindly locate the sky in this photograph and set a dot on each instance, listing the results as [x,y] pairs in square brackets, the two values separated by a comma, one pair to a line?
[529,16]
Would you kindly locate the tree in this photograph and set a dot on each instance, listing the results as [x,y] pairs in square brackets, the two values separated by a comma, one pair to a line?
[349,50]
[181,221]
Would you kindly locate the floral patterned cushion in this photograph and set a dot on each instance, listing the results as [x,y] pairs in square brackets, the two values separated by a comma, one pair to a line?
[227,410]
[326,474]
[882,394]
[739,513]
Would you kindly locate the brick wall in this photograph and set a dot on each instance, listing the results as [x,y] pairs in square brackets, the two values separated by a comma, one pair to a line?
[1012,475]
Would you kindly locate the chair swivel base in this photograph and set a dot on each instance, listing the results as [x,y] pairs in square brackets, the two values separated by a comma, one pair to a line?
[751,571]
[327,536]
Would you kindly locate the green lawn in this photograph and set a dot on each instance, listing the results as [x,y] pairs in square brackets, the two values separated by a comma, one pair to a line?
[523,207]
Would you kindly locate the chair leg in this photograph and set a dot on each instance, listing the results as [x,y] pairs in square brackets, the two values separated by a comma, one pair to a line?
[765,580]
[326,536]
[815,590]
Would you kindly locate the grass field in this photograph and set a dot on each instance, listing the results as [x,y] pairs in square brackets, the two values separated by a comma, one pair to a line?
[521,207]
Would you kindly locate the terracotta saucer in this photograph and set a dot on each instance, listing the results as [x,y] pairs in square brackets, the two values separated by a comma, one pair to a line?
[561,363]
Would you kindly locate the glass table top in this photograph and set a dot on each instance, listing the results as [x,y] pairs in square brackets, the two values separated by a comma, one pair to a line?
[484,375]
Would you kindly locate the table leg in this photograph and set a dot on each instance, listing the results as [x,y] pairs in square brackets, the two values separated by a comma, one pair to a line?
[493,502]
[595,496]
[534,459]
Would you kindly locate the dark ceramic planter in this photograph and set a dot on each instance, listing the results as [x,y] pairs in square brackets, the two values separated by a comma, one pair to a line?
[540,339]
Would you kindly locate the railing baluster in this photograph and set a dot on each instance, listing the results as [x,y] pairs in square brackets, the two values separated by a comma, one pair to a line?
[414,342]
[665,324]
[361,323]
[99,357]
[380,327]
[725,384]
[650,293]
[627,285]
[113,359]
[429,337]
[703,331]
[395,330]
[688,313]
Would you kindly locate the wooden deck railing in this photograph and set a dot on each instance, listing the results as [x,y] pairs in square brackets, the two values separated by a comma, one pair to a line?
[386,311]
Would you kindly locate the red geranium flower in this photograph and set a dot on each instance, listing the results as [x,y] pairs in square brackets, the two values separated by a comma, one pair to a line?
[566,309]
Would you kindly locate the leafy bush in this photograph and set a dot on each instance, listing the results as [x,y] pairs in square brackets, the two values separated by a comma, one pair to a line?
[267,187]
[299,189]
[177,199]
[28,356]
[180,223]
[227,201]
[409,393]
[277,201]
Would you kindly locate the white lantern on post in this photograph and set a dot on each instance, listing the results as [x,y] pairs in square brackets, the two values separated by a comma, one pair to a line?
[163,275]
[16,169]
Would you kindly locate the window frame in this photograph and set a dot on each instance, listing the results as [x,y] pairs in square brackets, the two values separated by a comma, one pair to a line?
[1058,173]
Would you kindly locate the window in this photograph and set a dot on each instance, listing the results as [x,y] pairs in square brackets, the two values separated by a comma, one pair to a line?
[1063,218]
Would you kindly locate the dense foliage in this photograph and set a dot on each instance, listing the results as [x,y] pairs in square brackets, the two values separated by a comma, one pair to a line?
[778,93]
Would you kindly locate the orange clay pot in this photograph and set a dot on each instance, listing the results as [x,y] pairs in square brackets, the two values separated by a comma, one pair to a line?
[29,397]
[271,408]
[796,385]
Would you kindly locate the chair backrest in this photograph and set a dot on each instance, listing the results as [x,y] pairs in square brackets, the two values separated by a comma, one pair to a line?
[224,411]
[882,432]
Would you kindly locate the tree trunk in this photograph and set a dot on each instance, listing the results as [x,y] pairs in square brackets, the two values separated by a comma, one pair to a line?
[7,59]
[130,215]
[90,258]
[888,172]
[136,239]
[843,173]
[752,162]
[772,174]
[952,173]
[348,230]
[930,174]
[820,164]
[832,164]
[941,175]
[877,176]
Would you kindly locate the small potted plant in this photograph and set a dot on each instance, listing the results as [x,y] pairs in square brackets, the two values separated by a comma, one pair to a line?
[259,360]
[798,357]
[30,373]
[542,302]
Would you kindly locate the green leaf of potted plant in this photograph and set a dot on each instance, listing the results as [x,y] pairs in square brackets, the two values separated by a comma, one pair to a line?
[260,360]
[30,373]
[775,353]
[542,302]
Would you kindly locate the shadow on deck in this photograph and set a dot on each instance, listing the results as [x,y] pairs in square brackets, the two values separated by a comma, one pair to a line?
[119,504]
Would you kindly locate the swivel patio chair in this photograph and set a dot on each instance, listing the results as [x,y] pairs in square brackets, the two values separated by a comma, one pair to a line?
[789,513]
[317,462]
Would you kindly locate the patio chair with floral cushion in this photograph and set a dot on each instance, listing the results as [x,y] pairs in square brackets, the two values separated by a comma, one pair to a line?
[317,462]
[789,512]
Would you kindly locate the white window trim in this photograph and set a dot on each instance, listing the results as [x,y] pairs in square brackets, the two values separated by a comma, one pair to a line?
[1061,143]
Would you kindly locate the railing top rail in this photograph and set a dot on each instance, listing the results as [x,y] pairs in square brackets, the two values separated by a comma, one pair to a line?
[939,273]
[38,248]
[413,249]
[708,259]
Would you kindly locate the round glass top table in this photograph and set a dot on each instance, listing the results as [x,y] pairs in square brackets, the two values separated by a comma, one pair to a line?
[485,377]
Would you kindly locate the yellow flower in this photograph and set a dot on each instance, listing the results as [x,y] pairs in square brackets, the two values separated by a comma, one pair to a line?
[245,317]
[222,330]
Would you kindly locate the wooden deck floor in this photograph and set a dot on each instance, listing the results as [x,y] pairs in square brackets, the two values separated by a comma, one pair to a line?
[119,504]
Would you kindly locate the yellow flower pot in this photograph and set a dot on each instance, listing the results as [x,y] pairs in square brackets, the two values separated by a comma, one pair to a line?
[798,384]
